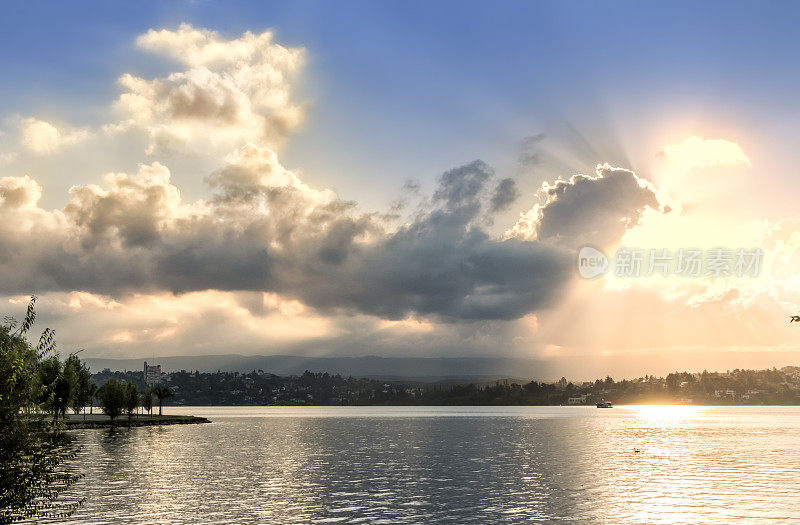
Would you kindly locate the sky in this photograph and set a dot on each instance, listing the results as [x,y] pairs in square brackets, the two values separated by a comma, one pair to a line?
[402,179]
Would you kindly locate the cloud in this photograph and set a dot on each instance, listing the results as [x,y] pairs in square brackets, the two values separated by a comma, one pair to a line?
[698,152]
[233,91]
[463,184]
[19,193]
[529,151]
[265,230]
[505,193]
[132,210]
[595,210]
[189,323]
[267,258]
[7,158]
[442,263]
[253,323]
[43,138]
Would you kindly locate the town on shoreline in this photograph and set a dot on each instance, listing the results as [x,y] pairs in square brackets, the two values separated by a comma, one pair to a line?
[734,387]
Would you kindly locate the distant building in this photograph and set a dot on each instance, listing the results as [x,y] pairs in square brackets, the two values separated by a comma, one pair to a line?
[725,393]
[152,374]
[579,400]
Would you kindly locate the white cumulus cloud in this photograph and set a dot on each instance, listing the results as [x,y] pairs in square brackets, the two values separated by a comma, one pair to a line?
[231,92]
[43,138]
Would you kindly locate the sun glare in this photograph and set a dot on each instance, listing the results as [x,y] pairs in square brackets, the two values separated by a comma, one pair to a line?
[698,152]
[665,414]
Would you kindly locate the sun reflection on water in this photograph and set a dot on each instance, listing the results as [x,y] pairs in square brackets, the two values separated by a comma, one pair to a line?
[631,464]
[666,415]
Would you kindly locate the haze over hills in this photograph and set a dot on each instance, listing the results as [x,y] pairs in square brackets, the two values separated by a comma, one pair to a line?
[464,369]
[429,368]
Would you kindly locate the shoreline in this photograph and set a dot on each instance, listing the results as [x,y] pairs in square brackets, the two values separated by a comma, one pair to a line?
[148,421]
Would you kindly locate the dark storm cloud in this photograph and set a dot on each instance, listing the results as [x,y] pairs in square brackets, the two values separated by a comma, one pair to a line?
[462,184]
[441,263]
[265,230]
[505,193]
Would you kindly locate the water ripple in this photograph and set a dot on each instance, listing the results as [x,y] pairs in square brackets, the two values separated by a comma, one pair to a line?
[428,465]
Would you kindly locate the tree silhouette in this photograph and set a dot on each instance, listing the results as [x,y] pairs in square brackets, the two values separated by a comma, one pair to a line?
[131,399]
[33,452]
[83,384]
[92,393]
[112,398]
[147,400]
[162,392]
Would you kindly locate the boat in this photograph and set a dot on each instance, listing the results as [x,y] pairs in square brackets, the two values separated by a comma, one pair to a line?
[604,404]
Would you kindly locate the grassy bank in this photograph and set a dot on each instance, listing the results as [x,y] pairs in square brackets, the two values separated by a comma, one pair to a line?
[102,421]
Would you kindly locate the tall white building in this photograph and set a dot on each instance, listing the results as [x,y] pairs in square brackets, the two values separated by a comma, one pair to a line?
[152,374]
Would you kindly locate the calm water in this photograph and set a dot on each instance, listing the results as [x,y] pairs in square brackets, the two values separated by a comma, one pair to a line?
[449,465]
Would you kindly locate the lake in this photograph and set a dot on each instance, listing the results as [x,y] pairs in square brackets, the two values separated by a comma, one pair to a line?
[448,465]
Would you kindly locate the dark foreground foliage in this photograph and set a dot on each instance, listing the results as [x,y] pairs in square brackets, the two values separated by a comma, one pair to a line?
[34,451]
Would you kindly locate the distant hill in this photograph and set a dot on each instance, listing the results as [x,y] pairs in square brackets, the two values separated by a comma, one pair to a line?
[466,369]
[475,369]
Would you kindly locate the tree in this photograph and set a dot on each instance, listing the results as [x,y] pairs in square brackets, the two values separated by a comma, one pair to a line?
[131,399]
[64,388]
[92,393]
[673,382]
[59,381]
[83,385]
[49,370]
[112,398]
[34,453]
[147,400]
[162,392]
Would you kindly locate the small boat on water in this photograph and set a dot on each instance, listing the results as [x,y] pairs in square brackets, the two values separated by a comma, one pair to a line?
[604,404]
